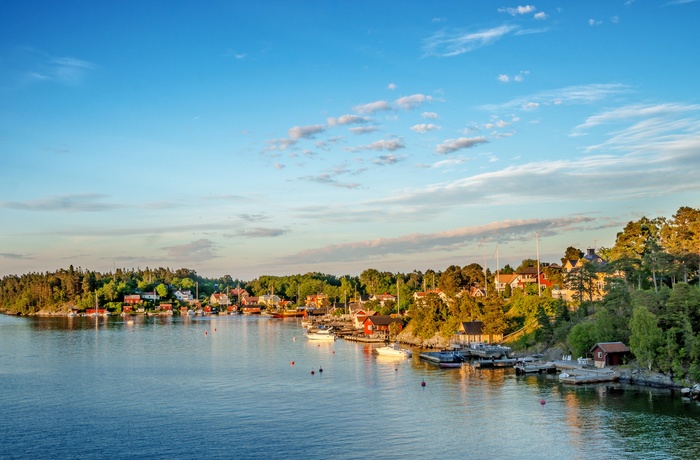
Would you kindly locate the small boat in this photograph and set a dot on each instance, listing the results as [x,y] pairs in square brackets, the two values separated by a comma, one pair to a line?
[393,350]
[445,359]
[320,334]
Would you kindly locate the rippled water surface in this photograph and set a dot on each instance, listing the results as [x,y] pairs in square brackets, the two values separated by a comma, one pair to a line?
[225,387]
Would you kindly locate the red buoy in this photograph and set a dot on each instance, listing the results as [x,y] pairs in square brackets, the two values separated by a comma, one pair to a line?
[543,402]
[312,372]
[292,363]
[422,383]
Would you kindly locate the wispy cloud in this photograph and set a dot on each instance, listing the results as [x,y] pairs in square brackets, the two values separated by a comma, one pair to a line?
[584,94]
[510,230]
[389,159]
[43,67]
[452,145]
[443,44]
[384,144]
[196,251]
[259,232]
[328,179]
[634,111]
[15,256]
[88,202]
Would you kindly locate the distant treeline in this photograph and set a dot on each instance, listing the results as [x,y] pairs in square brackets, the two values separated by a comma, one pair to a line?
[651,298]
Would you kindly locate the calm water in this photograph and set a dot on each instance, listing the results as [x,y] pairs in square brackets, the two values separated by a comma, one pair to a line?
[224,387]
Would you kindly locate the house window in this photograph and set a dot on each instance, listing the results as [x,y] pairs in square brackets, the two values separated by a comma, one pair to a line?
[600,354]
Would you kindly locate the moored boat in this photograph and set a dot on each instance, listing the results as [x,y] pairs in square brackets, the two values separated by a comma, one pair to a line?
[443,358]
[393,349]
[321,334]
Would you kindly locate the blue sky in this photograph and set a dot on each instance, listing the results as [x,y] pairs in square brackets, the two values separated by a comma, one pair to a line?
[252,138]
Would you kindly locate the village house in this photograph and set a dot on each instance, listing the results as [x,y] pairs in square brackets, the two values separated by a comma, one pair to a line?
[132,299]
[609,353]
[473,332]
[502,280]
[183,296]
[152,296]
[359,316]
[271,300]
[238,292]
[219,299]
[421,295]
[384,298]
[379,324]
[249,300]
[317,301]
[572,267]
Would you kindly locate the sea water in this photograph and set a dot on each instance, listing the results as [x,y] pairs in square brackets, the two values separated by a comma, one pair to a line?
[254,387]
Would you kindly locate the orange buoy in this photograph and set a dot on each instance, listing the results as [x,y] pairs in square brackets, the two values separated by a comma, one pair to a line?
[291,362]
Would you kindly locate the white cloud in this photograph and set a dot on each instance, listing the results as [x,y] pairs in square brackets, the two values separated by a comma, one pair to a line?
[305,132]
[389,159]
[413,101]
[392,86]
[347,120]
[384,144]
[452,145]
[373,107]
[424,128]
[429,115]
[454,44]
[364,129]
[520,76]
[541,15]
[594,22]
[520,10]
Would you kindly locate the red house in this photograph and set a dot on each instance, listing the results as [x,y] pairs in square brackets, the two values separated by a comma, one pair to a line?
[132,299]
[379,324]
[609,353]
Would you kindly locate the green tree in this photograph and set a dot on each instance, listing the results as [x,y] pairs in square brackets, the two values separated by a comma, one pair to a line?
[646,336]
[451,281]
[162,290]
[581,338]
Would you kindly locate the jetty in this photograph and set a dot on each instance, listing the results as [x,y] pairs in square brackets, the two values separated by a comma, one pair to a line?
[443,358]
[497,363]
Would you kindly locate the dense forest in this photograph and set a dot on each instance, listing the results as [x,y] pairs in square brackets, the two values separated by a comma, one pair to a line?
[649,296]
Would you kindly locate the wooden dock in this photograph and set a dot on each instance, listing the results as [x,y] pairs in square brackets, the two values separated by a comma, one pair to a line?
[576,374]
[497,363]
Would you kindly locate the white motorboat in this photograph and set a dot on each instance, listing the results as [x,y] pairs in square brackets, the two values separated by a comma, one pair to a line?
[393,350]
[321,334]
